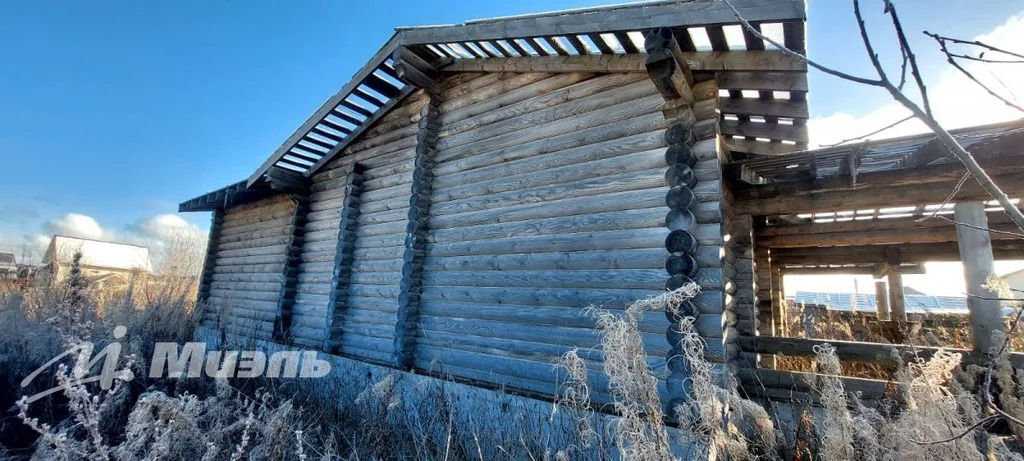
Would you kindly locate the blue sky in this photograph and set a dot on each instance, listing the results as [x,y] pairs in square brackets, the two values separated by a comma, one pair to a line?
[115,111]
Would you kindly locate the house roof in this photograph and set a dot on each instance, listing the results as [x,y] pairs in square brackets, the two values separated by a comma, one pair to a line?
[764,91]
[97,253]
[999,139]
[6,258]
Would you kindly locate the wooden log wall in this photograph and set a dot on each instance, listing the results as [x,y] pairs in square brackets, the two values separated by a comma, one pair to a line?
[384,156]
[548,196]
[249,262]
[206,278]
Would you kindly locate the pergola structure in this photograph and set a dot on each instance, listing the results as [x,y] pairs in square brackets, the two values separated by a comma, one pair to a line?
[881,208]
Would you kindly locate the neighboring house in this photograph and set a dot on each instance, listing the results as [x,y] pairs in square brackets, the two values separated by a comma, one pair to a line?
[1016,281]
[8,267]
[102,263]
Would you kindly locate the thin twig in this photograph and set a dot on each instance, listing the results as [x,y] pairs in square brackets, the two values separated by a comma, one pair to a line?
[891,125]
[986,229]
[978,43]
[966,431]
[956,190]
[968,74]
[908,54]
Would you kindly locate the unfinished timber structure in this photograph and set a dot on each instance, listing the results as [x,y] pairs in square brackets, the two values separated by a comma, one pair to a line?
[458,204]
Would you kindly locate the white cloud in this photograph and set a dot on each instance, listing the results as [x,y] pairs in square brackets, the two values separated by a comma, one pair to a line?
[164,228]
[956,101]
[78,225]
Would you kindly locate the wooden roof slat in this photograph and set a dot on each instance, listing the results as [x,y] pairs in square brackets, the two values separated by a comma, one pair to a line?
[334,126]
[325,134]
[314,141]
[626,42]
[356,108]
[378,84]
[602,45]
[369,98]
[716,35]
[575,41]
[766,80]
[519,48]
[775,107]
[765,130]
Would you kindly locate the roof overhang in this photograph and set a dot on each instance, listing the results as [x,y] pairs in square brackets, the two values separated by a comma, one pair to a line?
[764,106]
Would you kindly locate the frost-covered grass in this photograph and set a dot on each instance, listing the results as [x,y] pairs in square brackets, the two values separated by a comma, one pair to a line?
[262,419]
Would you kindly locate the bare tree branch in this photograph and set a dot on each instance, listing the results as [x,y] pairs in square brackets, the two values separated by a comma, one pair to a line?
[950,59]
[891,125]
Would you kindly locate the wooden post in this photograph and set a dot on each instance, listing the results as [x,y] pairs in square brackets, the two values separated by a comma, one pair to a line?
[407,322]
[290,274]
[417,71]
[881,301]
[337,301]
[897,301]
[975,245]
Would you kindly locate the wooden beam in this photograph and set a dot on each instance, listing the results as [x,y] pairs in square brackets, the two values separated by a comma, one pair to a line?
[762,80]
[667,68]
[774,131]
[709,61]
[897,299]
[873,197]
[854,270]
[976,253]
[608,19]
[922,175]
[858,351]
[869,389]
[871,254]
[786,108]
[882,301]
[327,107]
[751,146]
[928,232]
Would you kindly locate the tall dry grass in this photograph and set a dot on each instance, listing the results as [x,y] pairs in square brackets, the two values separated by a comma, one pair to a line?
[259,419]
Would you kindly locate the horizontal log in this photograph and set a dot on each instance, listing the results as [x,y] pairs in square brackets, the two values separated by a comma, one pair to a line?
[879,197]
[563,176]
[618,201]
[583,138]
[753,60]
[860,351]
[502,106]
[621,278]
[606,240]
[921,235]
[872,254]
[624,109]
[765,81]
[461,173]
[593,189]
[653,217]
[774,131]
[752,146]
[624,19]
[786,108]
[544,99]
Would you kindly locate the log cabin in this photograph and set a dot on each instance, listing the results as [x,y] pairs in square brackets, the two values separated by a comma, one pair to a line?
[455,208]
